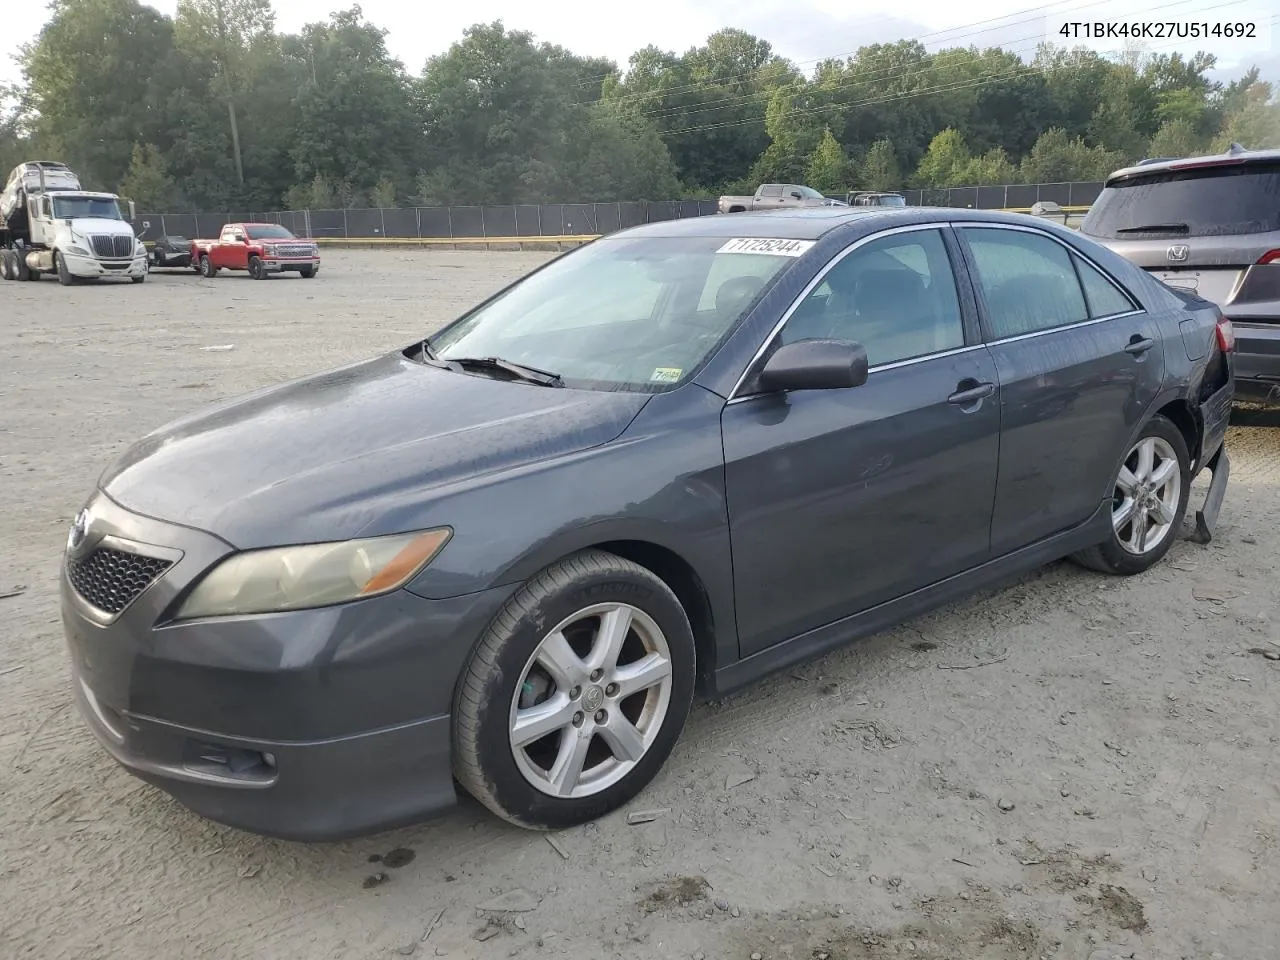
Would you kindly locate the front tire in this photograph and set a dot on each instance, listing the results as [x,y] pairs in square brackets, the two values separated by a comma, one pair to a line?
[307,272]
[576,694]
[20,269]
[256,270]
[1150,492]
[64,275]
[139,279]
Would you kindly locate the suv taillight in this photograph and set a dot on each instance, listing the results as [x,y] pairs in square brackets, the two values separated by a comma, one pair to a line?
[1226,335]
[1271,256]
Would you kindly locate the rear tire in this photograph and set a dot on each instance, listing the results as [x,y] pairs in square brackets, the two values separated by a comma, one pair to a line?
[1151,488]
[4,265]
[207,268]
[598,719]
[20,268]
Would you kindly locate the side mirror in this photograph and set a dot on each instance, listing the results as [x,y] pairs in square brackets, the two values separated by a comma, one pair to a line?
[814,365]
[133,211]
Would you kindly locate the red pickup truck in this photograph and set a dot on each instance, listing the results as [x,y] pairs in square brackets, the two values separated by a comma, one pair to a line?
[260,248]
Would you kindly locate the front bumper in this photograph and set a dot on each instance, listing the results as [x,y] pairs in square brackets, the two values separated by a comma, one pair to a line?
[1257,361]
[80,266]
[310,725]
[285,264]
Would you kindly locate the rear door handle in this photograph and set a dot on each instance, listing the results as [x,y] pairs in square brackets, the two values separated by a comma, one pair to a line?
[1139,345]
[972,392]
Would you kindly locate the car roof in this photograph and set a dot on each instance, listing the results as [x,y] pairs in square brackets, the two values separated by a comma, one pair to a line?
[812,223]
[1235,156]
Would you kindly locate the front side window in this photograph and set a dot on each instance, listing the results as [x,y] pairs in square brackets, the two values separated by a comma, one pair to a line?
[895,295]
[621,313]
[1027,281]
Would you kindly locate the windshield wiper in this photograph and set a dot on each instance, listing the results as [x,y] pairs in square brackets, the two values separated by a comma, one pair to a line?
[1156,228]
[529,374]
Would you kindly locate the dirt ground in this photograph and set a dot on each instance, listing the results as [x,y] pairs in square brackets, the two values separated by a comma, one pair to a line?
[1071,767]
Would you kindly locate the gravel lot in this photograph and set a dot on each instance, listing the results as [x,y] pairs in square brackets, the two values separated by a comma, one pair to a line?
[1108,784]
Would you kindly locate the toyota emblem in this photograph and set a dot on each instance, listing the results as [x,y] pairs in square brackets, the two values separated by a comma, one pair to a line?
[1178,252]
[79,530]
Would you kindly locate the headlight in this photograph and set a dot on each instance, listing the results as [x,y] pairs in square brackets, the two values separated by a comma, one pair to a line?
[139,249]
[77,250]
[315,575]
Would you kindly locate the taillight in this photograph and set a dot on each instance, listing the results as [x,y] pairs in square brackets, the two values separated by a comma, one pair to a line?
[1226,335]
[1271,256]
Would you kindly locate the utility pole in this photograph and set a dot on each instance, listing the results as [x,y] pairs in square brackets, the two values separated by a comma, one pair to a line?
[230,88]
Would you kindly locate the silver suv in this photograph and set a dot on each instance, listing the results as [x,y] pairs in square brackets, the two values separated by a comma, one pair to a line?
[1209,226]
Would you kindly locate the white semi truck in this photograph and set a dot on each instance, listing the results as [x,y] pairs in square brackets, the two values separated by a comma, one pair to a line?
[49,225]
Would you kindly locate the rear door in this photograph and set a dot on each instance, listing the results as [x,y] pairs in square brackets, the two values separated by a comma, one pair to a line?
[1079,364]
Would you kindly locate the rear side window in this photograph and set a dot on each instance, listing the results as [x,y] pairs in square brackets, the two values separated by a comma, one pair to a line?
[773,190]
[1104,299]
[1027,281]
[1210,202]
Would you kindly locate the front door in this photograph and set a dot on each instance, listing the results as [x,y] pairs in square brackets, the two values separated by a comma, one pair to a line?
[842,499]
[1079,365]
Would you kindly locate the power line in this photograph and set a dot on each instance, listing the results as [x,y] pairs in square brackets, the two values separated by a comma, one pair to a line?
[885,74]
[972,83]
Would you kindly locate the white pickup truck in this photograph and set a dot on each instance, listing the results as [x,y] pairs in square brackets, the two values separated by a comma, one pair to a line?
[771,196]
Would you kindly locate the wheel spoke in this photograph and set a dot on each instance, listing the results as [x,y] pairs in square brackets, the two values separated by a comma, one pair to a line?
[1127,481]
[1162,512]
[646,672]
[622,737]
[1138,531]
[567,770]
[1124,513]
[534,723]
[1146,458]
[614,627]
[558,659]
[1163,474]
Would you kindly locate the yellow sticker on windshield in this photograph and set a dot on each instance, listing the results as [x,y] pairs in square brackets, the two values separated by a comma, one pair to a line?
[767,246]
[666,375]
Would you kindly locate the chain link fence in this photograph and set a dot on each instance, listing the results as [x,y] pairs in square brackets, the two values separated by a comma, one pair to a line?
[529,222]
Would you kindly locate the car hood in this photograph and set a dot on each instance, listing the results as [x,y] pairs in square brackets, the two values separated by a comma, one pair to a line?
[322,458]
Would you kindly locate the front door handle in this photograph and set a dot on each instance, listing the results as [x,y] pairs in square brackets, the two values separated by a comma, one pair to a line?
[1139,345]
[971,391]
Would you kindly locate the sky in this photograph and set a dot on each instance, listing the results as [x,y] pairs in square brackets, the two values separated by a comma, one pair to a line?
[805,31]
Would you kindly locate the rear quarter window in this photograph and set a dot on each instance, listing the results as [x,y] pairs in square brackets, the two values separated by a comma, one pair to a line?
[1209,202]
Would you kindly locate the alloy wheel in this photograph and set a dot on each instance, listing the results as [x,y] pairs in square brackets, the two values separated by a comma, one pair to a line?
[1145,501]
[591,700]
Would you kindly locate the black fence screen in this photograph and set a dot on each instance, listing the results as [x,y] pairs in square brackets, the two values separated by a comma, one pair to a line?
[524,221]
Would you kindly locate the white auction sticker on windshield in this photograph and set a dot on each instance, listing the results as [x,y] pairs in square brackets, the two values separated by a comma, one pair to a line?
[766,246]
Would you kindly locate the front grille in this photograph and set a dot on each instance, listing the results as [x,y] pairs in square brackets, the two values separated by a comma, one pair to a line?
[295,250]
[113,247]
[112,579]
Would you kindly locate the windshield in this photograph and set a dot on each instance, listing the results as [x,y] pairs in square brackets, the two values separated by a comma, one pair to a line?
[269,232]
[638,314]
[1209,202]
[892,201]
[75,208]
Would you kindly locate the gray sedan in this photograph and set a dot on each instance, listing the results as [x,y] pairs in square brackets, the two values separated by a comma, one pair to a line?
[670,462]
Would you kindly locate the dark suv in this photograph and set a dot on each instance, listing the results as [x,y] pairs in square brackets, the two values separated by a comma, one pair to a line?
[1209,226]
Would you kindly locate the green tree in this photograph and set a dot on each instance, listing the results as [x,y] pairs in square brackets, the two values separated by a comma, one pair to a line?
[223,32]
[1176,138]
[944,162]
[880,170]
[353,121]
[1058,158]
[993,168]
[147,182]
[95,75]
[829,170]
